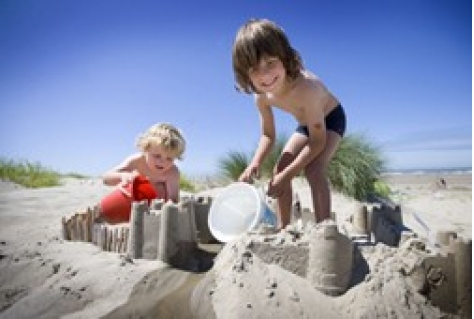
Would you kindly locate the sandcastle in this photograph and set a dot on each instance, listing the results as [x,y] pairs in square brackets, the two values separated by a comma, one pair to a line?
[326,258]
[163,231]
[333,258]
[444,276]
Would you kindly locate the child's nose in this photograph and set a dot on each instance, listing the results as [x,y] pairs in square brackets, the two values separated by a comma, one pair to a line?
[264,70]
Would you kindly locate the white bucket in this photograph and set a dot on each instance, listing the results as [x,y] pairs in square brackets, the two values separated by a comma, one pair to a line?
[240,207]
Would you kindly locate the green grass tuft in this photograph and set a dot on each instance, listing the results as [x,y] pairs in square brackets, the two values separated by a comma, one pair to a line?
[353,171]
[186,184]
[35,175]
[233,164]
[355,167]
[28,174]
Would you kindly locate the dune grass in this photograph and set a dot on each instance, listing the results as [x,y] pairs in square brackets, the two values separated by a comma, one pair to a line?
[186,184]
[35,175]
[233,164]
[28,174]
[354,170]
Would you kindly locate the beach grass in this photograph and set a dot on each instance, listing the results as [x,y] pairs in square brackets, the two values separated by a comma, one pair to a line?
[28,174]
[186,184]
[355,169]
[233,164]
[36,175]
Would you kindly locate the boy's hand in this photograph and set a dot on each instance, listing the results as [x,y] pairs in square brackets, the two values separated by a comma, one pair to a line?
[276,186]
[249,174]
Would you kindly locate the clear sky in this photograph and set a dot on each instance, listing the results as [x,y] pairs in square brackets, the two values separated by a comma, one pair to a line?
[81,79]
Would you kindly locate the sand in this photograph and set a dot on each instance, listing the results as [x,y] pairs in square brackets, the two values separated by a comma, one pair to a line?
[257,276]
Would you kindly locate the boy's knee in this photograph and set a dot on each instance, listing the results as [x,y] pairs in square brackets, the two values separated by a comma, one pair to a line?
[284,160]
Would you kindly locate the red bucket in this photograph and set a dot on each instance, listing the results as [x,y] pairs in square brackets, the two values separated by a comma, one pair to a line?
[116,206]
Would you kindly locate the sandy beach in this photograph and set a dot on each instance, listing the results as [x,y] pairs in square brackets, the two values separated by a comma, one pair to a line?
[257,276]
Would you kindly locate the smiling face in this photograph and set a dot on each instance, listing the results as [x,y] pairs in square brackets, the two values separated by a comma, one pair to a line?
[268,75]
[256,44]
[159,159]
[161,144]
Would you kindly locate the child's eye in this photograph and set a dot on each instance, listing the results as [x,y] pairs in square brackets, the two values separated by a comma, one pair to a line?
[272,62]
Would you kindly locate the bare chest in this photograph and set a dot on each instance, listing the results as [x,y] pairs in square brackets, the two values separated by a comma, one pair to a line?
[300,107]
[290,105]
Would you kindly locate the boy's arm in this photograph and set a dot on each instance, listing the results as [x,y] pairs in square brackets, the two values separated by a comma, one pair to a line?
[267,139]
[172,185]
[125,170]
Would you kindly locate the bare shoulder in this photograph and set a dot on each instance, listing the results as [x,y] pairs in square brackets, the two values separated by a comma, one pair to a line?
[131,162]
[312,84]
[135,158]
[314,89]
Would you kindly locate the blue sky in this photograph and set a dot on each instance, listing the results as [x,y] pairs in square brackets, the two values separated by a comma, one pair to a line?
[81,79]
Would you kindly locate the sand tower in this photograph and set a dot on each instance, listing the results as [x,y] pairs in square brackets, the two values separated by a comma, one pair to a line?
[330,259]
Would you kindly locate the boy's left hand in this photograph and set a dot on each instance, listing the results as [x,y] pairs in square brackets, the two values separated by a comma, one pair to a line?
[276,186]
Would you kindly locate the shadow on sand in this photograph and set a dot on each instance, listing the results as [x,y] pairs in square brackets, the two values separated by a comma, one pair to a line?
[166,292]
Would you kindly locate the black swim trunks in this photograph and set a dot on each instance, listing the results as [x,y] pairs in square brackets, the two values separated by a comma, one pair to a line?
[335,121]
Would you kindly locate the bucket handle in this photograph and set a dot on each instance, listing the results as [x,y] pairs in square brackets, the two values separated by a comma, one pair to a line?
[262,188]
[129,194]
[260,185]
[121,187]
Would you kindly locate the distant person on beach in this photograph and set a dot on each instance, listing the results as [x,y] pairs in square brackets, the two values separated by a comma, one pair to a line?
[442,183]
[159,147]
[267,66]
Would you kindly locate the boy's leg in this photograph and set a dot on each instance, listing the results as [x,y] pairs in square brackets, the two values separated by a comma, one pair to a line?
[316,175]
[293,146]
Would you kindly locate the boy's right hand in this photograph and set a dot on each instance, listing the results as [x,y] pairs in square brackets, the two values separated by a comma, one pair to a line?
[249,174]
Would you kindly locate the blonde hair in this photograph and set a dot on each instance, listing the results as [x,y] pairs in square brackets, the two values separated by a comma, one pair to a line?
[164,135]
[256,39]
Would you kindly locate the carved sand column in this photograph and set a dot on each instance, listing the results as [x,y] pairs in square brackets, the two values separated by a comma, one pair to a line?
[202,205]
[360,221]
[135,246]
[463,267]
[169,232]
[330,259]
[187,224]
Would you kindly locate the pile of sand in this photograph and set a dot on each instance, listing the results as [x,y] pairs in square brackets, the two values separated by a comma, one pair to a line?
[266,276]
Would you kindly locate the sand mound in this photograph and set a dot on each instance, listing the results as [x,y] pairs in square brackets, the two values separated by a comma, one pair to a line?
[266,276]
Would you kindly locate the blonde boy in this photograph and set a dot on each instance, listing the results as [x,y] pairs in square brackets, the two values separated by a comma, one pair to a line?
[159,147]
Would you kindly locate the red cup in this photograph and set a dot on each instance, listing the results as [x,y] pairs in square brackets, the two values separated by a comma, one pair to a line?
[116,206]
